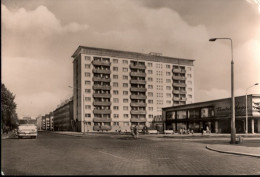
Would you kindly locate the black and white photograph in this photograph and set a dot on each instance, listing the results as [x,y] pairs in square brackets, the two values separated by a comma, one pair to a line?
[130,87]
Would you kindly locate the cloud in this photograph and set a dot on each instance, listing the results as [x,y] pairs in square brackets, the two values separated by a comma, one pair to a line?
[40,20]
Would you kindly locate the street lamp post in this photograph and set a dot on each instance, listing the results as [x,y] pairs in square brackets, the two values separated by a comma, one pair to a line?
[246,107]
[82,107]
[233,125]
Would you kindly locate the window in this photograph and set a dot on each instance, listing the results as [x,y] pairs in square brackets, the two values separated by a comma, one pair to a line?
[189,89]
[150,79]
[115,68]
[168,102]
[189,82]
[87,82]
[150,86]
[125,84]
[87,74]
[87,58]
[150,116]
[116,116]
[125,77]
[150,64]
[150,72]
[115,60]
[168,87]
[190,96]
[87,107]
[125,100]
[150,108]
[88,115]
[125,108]
[168,73]
[126,124]
[87,66]
[115,107]
[87,98]
[115,84]
[168,80]
[125,62]
[116,123]
[87,90]
[150,101]
[125,92]
[125,115]
[115,92]
[189,68]
[189,75]
[125,69]
[115,76]
[168,95]
[150,94]
[115,100]
[168,66]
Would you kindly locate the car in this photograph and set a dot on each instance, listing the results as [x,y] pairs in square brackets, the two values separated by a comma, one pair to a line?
[27,130]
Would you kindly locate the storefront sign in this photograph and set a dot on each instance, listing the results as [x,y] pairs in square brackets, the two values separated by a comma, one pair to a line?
[256,106]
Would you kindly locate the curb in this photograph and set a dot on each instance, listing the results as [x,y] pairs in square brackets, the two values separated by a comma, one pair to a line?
[68,134]
[232,152]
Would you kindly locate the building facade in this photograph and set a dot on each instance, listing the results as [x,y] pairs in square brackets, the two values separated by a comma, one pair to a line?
[63,117]
[115,90]
[47,121]
[216,115]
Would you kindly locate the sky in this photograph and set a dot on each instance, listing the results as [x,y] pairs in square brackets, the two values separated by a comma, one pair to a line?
[39,38]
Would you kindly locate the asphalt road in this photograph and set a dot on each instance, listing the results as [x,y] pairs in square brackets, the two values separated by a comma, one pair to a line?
[55,154]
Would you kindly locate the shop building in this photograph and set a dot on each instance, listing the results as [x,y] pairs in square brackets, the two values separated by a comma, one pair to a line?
[216,115]
[116,90]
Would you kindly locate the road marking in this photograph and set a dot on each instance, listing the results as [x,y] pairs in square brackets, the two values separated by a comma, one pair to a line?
[113,155]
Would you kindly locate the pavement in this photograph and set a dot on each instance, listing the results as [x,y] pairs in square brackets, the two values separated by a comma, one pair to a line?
[244,148]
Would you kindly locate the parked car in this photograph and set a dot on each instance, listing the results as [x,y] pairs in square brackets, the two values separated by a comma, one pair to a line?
[27,130]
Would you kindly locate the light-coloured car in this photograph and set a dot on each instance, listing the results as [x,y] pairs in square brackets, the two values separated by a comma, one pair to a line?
[27,130]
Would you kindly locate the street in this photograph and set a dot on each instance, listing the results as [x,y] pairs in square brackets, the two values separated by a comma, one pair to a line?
[55,154]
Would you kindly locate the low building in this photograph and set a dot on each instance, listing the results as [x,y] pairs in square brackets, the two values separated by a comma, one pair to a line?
[215,114]
[63,117]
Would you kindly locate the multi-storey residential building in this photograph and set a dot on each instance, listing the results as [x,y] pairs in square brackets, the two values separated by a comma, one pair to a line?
[47,121]
[115,90]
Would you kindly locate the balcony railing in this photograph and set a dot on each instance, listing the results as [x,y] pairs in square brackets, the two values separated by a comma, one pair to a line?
[100,79]
[135,89]
[100,63]
[101,103]
[102,95]
[139,74]
[137,66]
[102,87]
[102,71]
[138,104]
[138,112]
[101,111]
[138,97]
[179,85]
[138,119]
[178,78]
[98,119]
[138,82]
[178,70]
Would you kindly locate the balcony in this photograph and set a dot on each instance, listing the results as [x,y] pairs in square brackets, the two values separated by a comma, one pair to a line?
[179,85]
[99,119]
[137,66]
[102,95]
[102,87]
[174,70]
[102,71]
[100,63]
[176,91]
[101,103]
[183,99]
[138,104]
[138,112]
[136,89]
[101,111]
[138,82]
[178,78]
[138,97]
[100,79]
[139,74]
[183,92]
[138,119]
[102,127]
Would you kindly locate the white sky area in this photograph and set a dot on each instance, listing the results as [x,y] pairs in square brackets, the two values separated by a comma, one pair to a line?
[39,37]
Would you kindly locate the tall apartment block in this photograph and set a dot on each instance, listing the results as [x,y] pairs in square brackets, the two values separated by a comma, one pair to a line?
[115,90]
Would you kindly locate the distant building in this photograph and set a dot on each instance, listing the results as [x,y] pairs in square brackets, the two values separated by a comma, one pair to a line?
[47,121]
[63,117]
[116,90]
[215,114]
[39,122]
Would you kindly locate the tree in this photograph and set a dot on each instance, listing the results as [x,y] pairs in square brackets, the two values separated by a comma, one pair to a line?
[9,116]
